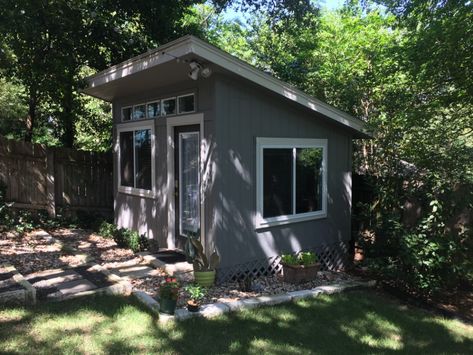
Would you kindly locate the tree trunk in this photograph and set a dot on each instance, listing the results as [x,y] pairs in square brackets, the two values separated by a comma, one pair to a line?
[31,117]
[68,119]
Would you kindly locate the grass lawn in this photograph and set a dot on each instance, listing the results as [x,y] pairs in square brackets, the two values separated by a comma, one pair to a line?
[354,322]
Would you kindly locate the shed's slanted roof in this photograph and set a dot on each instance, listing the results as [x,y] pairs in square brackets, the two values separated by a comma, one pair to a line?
[190,45]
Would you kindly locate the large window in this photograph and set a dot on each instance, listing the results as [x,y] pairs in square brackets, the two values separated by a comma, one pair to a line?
[291,180]
[136,162]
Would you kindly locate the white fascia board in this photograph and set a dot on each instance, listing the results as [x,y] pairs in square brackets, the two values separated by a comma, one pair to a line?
[172,50]
[246,71]
[190,44]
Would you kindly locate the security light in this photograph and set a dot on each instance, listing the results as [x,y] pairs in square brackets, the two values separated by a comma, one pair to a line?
[195,69]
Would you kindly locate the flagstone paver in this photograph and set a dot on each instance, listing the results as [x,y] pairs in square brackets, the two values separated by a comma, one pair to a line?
[135,271]
[76,286]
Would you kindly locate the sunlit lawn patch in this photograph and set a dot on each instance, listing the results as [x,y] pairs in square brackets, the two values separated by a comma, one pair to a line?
[356,322]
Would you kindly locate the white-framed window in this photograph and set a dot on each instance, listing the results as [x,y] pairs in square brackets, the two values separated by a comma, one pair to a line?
[291,180]
[136,152]
[168,106]
[160,107]
[127,113]
[186,103]
[139,112]
[153,109]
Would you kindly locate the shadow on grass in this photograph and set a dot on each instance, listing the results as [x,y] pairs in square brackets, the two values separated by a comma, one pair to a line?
[356,322]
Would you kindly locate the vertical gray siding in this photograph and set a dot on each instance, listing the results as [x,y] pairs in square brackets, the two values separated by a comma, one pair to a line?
[149,215]
[245,112]
[235,114]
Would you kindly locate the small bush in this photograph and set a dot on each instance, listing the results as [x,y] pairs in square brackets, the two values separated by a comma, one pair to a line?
[107,230]
[127,238]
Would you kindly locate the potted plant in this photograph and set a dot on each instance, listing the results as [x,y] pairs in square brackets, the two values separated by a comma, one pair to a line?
[204,268]
[300,268]
[168,294]
[196,292]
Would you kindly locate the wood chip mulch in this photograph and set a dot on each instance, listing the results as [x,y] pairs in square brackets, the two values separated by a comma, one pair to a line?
[31,252]
[103,250]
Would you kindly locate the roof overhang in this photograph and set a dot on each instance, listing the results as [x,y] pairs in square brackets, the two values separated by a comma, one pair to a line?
[190,45]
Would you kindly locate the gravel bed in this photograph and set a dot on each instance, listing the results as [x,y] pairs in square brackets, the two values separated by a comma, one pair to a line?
[32,252]
[103,250]
[231,291]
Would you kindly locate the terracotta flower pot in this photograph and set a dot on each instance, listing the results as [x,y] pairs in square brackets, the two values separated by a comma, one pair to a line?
[300,273]
[205,278]
[193,306]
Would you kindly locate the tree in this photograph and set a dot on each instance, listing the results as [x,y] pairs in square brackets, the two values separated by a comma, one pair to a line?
[47,43]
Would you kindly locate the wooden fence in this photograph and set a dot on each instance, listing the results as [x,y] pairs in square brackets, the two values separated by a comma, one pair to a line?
[49,178]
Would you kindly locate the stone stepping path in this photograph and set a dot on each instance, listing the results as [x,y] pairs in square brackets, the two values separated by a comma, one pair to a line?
[137,271]
[59,284]
[62,284]
[14,288]
[89,277]
[170,262]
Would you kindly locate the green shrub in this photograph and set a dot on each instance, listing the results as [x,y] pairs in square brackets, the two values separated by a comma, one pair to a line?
[107,230]
[429,255]
[127,238]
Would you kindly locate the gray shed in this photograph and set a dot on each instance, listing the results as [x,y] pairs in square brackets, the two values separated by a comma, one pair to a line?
[205,143]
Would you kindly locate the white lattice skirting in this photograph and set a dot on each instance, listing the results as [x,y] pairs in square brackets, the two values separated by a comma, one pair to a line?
[332,257]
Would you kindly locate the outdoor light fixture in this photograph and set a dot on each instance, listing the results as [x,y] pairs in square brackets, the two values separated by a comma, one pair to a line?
[206,72]
[196,69]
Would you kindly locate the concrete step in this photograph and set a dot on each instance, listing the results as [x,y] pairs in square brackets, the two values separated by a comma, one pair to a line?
[136,271]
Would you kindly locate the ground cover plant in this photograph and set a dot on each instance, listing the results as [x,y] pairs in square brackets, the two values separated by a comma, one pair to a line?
[356,322]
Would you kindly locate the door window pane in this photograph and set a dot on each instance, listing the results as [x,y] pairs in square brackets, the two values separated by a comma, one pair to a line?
[308,179]
[189,204]
[169,106]
[186,104]
[139,112]
[154,109]
[126,158]
[277,182]
[143,159]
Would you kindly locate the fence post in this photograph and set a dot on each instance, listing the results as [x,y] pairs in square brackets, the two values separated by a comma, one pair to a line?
[50,188]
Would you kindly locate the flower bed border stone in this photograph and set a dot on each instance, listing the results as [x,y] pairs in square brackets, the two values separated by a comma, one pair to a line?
[217,309]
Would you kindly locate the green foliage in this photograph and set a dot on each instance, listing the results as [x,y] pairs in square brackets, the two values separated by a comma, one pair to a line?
[303,258]
[290,259]
[196,255]
[195,291]
[107,230]
[169,289]
[127,238]
[12,109]
[407,73]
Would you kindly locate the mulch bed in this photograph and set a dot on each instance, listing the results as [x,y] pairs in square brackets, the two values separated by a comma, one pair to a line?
[103,250]
[31,253]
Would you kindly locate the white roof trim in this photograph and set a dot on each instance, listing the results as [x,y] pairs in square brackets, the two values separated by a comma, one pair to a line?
[190,44]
